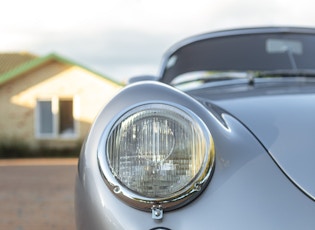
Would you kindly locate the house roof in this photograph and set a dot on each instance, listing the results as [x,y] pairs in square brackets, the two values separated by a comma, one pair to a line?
[10,61]
[17,64]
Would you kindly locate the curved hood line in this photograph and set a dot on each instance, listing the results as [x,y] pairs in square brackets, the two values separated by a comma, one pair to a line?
[284,125]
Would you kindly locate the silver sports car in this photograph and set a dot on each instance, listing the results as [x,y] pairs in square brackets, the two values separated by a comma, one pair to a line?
[222,138]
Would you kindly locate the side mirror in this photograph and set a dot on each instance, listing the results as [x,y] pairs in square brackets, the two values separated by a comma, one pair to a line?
[142,78]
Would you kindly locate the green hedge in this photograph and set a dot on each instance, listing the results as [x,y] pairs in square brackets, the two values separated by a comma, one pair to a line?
[14,149]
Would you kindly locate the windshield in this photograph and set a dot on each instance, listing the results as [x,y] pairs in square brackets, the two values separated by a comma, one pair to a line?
[232,56]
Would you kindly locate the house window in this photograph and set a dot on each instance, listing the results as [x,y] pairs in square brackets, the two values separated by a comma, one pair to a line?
[55,118]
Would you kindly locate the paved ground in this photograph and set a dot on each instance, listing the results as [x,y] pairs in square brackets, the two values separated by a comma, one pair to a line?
[37,194]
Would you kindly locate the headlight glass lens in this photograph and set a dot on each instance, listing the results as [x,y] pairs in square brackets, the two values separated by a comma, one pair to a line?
[157,150]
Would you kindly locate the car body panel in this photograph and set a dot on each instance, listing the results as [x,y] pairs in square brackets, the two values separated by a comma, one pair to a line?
[277,113]
[232,193]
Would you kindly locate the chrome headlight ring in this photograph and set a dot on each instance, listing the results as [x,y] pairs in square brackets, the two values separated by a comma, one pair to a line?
[156,155]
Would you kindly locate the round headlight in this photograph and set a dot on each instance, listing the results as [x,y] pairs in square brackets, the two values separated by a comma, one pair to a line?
[157,154]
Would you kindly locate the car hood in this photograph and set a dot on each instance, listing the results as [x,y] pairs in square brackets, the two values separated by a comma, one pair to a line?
[282,119]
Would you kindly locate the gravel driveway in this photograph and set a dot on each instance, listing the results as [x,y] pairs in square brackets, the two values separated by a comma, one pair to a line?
[37,194]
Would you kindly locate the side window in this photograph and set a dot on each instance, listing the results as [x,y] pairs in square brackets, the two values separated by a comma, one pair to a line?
[55,118]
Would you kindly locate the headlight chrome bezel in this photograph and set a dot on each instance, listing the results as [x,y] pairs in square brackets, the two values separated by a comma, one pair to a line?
[174,200]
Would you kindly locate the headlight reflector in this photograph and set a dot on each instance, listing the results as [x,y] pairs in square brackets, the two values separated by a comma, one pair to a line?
[159,153]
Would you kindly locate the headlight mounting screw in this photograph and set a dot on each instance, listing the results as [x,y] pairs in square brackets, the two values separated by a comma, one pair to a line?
[197,187]
[116,189]
[157,212]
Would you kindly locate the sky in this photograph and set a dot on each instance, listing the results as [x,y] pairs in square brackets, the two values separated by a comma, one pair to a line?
[125,38]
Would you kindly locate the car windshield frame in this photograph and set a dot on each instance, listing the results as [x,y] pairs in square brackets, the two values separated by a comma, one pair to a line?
[235,51]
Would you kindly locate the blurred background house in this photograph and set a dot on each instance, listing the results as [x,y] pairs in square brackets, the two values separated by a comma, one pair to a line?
[47,103]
